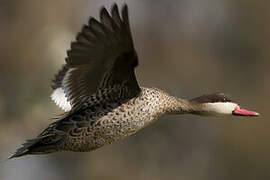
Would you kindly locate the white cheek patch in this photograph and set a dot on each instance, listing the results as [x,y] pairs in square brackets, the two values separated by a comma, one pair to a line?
[58,96]
[220,107]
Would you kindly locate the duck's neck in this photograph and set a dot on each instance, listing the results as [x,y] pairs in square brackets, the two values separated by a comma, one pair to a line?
[167,104]
[181,106]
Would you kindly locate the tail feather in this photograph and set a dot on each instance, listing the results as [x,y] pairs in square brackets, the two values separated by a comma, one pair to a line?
[24,150]
[39,145]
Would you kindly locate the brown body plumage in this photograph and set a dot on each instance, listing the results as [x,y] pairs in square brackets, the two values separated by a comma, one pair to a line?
[102,122]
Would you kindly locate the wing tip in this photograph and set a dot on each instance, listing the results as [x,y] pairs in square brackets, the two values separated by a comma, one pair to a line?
[103,10]
[125,12]
[114,6]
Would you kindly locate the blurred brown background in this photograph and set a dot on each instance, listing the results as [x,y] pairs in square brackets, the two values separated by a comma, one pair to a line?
[187,47]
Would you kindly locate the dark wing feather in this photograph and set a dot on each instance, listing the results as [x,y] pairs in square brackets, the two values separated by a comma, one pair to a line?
[57,81]
[102,57]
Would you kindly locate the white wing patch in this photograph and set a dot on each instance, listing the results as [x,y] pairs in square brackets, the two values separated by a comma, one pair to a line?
[60,99]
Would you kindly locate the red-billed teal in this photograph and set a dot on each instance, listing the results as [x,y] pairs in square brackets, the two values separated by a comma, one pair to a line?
[104,102]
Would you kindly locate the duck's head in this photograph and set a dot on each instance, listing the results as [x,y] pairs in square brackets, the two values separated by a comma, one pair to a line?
[218,104]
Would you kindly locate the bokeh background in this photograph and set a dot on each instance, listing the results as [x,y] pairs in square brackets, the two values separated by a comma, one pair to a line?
[186,47]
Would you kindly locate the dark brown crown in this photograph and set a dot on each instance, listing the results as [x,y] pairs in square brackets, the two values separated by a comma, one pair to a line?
[212,98]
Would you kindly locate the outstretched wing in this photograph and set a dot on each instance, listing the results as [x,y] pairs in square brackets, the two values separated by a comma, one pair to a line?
[102,57]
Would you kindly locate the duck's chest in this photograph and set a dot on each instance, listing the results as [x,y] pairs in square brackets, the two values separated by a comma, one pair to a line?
[133,115]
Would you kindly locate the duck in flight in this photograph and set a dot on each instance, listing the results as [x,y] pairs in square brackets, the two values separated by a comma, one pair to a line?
[104,103]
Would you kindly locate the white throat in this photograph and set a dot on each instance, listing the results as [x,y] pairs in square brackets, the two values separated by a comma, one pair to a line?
[219,108]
